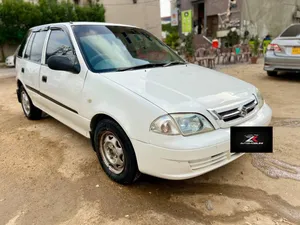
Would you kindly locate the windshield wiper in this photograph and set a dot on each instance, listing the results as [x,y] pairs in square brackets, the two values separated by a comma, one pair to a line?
[148,65]
[174,63]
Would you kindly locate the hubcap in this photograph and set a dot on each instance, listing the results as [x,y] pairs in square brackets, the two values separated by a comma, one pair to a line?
[25,103]
[112,152]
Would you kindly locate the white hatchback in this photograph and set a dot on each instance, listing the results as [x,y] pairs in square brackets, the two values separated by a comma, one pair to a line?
[144,108]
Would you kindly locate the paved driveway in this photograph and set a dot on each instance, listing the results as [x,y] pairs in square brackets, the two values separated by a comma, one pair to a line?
[49,174]
[7,72]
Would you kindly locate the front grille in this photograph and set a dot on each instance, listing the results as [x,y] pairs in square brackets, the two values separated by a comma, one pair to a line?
[236,113]
[210,161]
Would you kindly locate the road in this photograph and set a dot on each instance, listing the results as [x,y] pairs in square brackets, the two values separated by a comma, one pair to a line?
[50,175]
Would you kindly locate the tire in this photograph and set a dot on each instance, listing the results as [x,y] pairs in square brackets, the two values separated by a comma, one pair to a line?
[30,111]
[115,152]
[272,73]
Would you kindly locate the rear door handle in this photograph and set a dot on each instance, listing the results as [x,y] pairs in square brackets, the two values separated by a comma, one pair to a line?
[44,79]
[22,70]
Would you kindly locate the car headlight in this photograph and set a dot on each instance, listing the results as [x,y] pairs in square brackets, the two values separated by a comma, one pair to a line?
[260,98]
[181,123]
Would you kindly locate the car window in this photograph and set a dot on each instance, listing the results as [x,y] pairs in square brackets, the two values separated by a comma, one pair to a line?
[28,48]
[22,46]
[59,44]
[292,31]
[110,48]
[37,46]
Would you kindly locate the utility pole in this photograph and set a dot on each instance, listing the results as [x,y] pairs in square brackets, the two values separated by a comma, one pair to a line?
[178,6]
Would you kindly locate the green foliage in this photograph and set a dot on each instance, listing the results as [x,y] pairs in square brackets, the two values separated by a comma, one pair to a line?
[255,43]
[169,28]
[172,40]
[18,16]
[232,38]
[189,45]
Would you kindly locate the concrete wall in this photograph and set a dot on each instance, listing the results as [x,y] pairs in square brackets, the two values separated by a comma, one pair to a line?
[268,16]
[144,14]
[214,7]
[186,5]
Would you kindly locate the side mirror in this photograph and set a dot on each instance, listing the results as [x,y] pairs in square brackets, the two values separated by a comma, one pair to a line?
[63,63]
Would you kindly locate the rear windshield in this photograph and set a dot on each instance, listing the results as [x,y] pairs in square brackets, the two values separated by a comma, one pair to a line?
[292,31]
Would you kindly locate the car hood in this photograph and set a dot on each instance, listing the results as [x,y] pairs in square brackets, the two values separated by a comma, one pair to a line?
[184,88]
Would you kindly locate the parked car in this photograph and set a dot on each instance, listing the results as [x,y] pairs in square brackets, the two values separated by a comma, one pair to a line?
[283,54]
[10,61]
[145,109]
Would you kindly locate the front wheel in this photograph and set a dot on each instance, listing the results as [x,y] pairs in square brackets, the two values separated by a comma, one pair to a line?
[115,152]
[30,111]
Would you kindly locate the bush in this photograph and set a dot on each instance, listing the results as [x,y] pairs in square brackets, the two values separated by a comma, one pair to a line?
[172,40]
[18,16]
[232,38]
[189,45]
[254,45]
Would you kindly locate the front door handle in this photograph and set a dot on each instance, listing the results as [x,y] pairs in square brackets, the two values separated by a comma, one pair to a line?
[44,79]
[22,70]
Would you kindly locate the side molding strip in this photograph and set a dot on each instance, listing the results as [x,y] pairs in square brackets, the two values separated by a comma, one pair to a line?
[51,99]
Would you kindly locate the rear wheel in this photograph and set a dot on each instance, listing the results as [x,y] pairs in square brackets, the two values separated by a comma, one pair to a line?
[30,111]
[272,73]
[115,152]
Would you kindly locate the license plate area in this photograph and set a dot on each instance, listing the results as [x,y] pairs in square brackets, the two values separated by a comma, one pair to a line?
[296,51]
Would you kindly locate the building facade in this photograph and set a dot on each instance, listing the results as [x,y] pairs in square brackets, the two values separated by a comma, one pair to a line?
[214,18]
[141,13]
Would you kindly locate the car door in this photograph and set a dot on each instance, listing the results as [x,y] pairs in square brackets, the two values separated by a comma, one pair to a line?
[30,68]
[61,90]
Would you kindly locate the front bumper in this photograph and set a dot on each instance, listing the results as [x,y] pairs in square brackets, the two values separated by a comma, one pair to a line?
[281,63]
[210,151]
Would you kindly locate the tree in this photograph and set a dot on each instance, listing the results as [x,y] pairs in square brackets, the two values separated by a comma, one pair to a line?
[18,16]
[172,38]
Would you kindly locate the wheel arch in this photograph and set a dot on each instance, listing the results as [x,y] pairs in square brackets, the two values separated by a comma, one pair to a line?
[19,85]
[96,119]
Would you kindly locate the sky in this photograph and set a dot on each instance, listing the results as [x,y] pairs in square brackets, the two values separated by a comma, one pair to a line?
[165,8]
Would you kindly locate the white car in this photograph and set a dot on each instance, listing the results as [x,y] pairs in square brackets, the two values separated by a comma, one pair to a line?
[10,61]
[144,108]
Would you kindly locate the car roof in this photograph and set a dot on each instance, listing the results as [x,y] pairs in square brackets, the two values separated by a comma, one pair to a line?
[79,23]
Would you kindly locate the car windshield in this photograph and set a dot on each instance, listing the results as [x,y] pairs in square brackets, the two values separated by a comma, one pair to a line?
[118,48]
